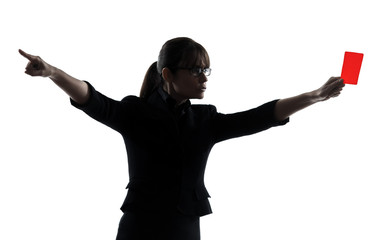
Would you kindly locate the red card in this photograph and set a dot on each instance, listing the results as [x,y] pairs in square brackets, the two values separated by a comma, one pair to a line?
[351,66]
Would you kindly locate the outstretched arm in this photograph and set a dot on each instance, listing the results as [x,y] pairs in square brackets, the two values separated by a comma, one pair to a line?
[76,89]
[288,106]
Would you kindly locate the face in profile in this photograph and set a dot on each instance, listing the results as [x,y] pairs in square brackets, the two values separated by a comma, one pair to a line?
[189,81]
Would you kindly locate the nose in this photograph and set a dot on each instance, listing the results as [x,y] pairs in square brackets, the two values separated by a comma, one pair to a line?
[203,78]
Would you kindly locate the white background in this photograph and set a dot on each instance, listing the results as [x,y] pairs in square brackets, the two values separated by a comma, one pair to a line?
[322,176]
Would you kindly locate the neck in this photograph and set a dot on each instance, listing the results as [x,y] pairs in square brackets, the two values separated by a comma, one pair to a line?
[170,90]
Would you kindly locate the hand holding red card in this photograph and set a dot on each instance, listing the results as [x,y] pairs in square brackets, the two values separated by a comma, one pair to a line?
[351,67]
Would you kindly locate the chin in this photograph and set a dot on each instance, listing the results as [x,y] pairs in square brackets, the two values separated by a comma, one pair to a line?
[197,96]
[200,96]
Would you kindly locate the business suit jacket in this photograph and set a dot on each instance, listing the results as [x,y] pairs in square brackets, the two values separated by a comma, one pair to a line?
[168,147]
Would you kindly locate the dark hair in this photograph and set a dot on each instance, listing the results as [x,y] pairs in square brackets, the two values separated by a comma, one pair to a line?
[180,52]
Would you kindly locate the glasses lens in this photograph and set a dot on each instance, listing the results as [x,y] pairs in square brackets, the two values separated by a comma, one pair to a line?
[207,71]
[197,71]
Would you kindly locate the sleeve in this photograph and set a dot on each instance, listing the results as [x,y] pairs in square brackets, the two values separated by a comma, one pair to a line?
[103,109]
[227,126]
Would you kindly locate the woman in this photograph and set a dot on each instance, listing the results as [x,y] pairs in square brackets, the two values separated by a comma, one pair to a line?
[168,139]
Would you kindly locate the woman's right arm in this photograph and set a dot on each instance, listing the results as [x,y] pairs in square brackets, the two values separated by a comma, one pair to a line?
[76,89]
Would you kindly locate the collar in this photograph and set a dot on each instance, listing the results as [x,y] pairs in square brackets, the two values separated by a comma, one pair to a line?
[163,100]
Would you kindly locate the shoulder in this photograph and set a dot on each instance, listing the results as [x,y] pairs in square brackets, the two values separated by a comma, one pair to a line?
[131,98]
[135,103]
[204,109]
[132,103]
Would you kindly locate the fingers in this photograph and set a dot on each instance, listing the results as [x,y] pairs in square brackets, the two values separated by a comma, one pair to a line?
[335,82]
[34,69]
[333,79]
[26,55]
[337,88]
[332,88]
[34,66]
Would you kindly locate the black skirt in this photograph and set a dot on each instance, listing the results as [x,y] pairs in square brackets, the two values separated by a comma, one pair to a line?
[158,226]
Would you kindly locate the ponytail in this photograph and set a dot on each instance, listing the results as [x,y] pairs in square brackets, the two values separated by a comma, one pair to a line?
[151,81]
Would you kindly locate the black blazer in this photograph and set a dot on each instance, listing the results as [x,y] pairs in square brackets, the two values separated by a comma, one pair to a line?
[168,148]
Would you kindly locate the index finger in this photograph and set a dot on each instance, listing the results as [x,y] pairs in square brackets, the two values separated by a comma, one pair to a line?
[26,55]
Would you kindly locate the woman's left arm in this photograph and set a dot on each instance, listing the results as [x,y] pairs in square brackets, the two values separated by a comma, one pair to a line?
[288,106]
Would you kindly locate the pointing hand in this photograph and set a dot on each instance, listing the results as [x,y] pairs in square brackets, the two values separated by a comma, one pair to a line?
[36,66]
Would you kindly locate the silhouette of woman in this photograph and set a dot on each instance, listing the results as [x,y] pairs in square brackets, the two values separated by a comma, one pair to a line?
[168,139]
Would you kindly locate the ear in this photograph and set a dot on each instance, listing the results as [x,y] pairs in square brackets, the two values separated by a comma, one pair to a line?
[167,75]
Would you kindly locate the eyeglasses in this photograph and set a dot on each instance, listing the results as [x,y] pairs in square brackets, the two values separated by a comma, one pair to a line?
[197,71]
